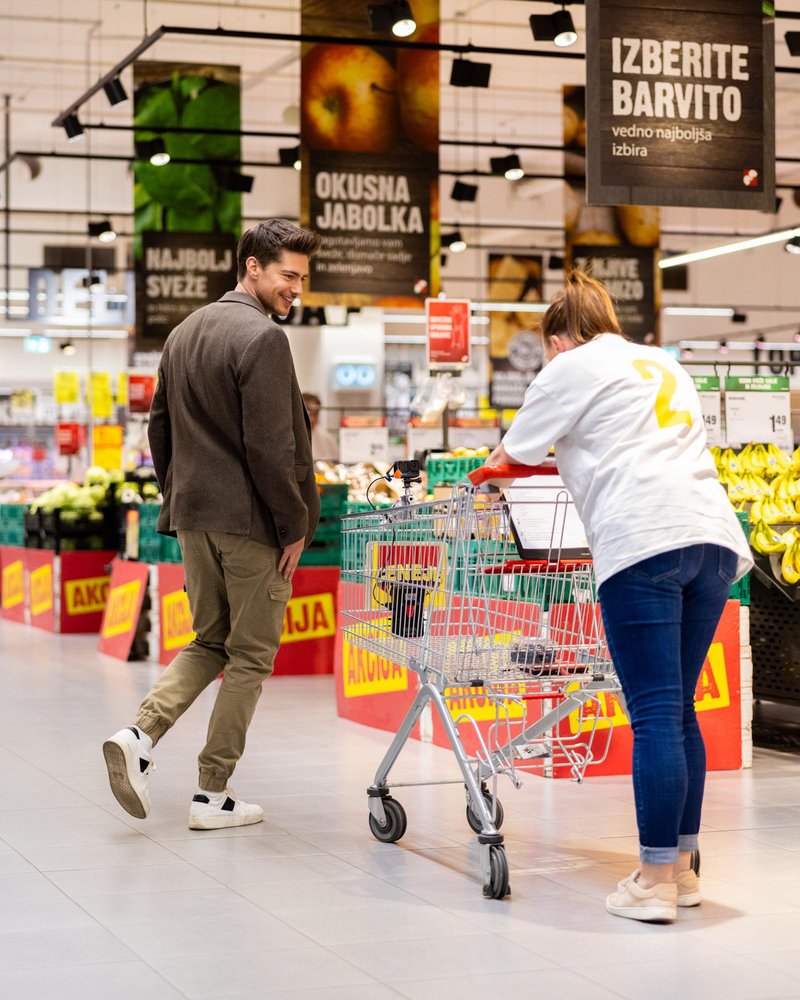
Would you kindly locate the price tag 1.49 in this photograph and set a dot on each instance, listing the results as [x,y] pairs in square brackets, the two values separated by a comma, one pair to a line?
[758,408]
[711,405]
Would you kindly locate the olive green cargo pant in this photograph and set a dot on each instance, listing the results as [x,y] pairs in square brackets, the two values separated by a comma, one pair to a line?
[238,600]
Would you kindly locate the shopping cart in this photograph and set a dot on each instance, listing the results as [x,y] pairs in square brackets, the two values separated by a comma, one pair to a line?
[492,594]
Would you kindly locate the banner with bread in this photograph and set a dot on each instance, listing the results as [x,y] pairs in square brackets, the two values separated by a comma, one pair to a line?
[515,347]
[370,155]
[617,244]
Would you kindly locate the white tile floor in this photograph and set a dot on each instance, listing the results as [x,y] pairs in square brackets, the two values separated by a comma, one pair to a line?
[98,906]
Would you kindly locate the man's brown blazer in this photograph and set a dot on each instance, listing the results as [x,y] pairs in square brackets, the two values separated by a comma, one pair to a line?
[229,433]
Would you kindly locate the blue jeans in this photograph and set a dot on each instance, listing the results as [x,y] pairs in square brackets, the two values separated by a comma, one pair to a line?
[660,616]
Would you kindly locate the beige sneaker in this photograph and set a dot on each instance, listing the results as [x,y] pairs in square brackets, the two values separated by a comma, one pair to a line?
[659,903]
[687,882]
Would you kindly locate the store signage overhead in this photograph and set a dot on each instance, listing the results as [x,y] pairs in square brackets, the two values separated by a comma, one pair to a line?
[628,274]
[680,107]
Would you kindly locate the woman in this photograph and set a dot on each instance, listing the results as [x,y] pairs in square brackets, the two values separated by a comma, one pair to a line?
[631,448]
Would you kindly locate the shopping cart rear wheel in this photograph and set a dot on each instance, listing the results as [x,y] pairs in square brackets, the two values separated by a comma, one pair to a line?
[396,822]
[474,820]
[497,887]
[695,862]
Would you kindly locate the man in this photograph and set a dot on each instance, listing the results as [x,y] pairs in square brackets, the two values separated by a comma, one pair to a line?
[231,446]
[323,443]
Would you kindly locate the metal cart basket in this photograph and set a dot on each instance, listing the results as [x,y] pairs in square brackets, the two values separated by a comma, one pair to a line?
[441,588]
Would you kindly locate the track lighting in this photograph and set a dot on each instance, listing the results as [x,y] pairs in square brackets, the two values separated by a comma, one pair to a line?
[464,192]
[290,157]
[68,348]
[232,180]
[455,241]
[93,282]
[465,73]
[396,17]
[793,246]
[557,28]
[153,150]
[115,92]
[72,127]
[509,166]
[793,42]
[102,231]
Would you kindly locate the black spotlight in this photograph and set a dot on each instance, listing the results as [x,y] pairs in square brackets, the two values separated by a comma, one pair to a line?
[455,241]
[72,127]
[556,28]
[793,42]
[465,73]
[464,192]
[396,17]
[102,230]
[793,245]
[290,157]
[232,180]
[153,150]
[509,166]
[555,262]
[115,92]
[738,317]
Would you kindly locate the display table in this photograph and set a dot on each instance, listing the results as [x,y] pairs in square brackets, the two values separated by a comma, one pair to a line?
[375,692]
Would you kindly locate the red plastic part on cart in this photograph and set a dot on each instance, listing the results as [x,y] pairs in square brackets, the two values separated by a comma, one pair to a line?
[487,472]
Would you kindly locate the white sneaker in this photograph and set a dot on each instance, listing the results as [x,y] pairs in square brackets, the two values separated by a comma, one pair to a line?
[129,762]
[217,810]
[688,884]
[658,904]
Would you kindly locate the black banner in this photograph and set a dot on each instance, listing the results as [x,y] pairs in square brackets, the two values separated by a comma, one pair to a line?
[680,106]
[628,274]
[176,274]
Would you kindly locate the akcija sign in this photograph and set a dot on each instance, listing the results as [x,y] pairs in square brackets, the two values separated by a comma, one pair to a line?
[680,103]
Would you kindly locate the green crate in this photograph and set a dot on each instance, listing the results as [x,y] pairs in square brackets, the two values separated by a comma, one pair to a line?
[450,471]
[332,500]
[12,515]
[170,549]
[321,557]
[150,549]
[740,591]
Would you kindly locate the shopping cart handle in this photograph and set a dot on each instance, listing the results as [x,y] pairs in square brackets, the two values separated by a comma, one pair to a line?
[487,472]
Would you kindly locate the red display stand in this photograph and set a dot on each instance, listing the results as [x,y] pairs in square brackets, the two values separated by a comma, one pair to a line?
[309,628]
[84,589]
[124,605]
[41,569]
[12,595]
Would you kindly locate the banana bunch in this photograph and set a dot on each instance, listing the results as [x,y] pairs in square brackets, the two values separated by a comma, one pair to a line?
[749,487]
[764,538]
[786,486]
[766,460]
[716,452]
[790,560]
[729,460]
[772,511]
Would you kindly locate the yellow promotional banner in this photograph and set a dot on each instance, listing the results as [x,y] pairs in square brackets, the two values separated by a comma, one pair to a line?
[122,389]
[101,398]
[66,387]
[107,446]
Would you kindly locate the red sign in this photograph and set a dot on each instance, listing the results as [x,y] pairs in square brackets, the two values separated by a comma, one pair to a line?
[84,589]
[448,332]
[69,438]
[41,567]
[12,582]
[141,389]
[124,605]
[174,614]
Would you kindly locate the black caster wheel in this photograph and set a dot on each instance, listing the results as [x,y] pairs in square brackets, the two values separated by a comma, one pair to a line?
[396,822]
[497,887]
[696,862]
[473,819]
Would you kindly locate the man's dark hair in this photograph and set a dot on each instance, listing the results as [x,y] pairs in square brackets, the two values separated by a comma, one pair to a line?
[267,241]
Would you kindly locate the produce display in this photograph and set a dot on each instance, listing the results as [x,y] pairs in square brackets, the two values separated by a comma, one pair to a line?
[764,482]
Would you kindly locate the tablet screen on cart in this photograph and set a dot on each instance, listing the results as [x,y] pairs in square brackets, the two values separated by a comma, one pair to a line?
[544,521]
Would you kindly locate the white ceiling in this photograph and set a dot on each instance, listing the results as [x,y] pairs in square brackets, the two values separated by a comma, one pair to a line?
[51,51]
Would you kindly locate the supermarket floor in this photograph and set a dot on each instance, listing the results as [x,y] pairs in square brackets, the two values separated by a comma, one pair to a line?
[98,906]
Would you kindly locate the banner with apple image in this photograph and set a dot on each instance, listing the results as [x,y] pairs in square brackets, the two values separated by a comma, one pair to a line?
[370,157]
[617,244]
[188,211]
[515,347]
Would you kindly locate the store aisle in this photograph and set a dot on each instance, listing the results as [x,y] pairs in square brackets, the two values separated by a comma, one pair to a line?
[98,906]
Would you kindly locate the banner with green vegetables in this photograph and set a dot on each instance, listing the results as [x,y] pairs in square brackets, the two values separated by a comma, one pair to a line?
[187,191]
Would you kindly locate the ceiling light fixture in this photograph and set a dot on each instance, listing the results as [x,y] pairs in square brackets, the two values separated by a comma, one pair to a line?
[793,42]
[102,231]
[465,73]
[115,92]
[232,180]
[72,127]
[557,28]
[793,245]
[68,348]
[697,311]
[289,156]
[464,192]
[758,241]
[153,150]
[395,17]
[455,241]
[509,166]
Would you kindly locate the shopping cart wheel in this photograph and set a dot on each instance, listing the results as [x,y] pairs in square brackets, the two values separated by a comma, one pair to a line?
[695,862]
[474,820]
[497,887]
[396,822]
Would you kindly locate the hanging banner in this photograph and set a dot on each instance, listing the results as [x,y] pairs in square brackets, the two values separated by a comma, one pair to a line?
[41,588]
[70,437]
[141,389]
[681,103]
[122,389]
[107,446]
[102,399]
[447,322]
[615,244]
[187,215]
[66,388]
[370,158]
[515,347]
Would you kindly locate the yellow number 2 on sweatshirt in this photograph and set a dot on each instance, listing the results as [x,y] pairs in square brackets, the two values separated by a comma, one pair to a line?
[665,415]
